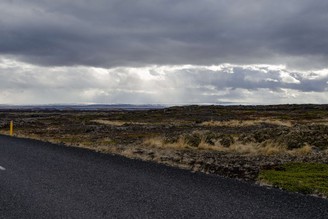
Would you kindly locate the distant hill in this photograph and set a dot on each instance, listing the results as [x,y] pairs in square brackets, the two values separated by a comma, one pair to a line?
[92,107]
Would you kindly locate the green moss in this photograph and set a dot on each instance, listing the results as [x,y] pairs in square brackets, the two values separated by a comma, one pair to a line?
[308,178]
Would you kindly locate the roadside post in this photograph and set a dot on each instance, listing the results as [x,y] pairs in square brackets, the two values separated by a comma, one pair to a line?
[11,131]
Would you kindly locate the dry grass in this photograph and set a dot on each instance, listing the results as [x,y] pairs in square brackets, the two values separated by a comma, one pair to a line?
[108,122]
[203,145]
[316,122]
[242,123]
[305,150]
[155,142]
[128,153]
[121,123]
[266,148]
[325,151]
[104,149]
[160,143]
[116,123]
[237,147]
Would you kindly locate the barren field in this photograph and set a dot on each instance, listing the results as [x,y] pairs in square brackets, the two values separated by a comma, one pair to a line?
[233,141]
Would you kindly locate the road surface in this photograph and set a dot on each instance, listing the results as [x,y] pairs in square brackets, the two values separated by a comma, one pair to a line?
[42,180]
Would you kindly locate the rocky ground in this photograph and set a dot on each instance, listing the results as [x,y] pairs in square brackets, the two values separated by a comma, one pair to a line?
[233,141]
[240,166]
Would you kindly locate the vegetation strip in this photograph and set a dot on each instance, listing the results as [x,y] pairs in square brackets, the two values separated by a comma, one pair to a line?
[307,178]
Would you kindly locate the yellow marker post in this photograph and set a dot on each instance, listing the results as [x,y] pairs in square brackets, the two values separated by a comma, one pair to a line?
[11,128]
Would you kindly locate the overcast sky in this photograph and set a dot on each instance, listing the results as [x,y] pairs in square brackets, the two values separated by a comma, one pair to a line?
[163,51]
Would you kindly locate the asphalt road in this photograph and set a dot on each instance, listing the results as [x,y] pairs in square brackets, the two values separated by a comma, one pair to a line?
[41,180]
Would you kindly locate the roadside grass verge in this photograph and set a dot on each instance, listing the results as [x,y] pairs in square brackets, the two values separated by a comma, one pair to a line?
[307,178]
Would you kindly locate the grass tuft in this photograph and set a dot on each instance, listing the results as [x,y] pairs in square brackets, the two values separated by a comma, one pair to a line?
[305,150]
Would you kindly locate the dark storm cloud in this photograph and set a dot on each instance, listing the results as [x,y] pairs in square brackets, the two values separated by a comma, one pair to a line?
[164,32]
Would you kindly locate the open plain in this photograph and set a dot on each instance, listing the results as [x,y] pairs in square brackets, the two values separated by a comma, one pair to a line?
[232,141]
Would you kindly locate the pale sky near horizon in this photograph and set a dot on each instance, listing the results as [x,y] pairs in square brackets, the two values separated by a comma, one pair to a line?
[163,51]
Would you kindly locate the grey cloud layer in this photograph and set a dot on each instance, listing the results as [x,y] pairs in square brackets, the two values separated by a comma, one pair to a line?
[165,32]
[254,79]
[180,84]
